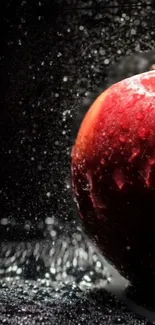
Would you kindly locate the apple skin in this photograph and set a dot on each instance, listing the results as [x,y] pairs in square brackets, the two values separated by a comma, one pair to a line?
[113,175]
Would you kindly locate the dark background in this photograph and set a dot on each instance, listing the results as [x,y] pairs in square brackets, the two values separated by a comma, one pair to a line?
[54,60]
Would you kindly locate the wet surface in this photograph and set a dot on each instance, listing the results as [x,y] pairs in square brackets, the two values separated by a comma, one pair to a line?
[38,303]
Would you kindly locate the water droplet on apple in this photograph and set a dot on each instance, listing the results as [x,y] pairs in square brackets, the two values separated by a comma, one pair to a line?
[119,178]
[143,133]
[122,138]
[102,161]
[124,124]
[140,116]
[146,174]
[135,153]
[111,132]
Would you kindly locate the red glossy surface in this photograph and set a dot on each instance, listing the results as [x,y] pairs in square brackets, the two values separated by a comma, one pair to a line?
[113,174]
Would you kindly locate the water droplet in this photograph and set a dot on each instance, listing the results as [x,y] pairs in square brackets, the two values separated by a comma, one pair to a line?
[119,178]
[106,61]
[48,194]
[135,153]
[143,133]
[111,132]
[65,78]
[140,116]
[146,174]
[122,138]
[102,161]
[124,124]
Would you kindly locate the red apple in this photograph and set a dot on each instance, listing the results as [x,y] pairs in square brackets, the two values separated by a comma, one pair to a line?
[113,175]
